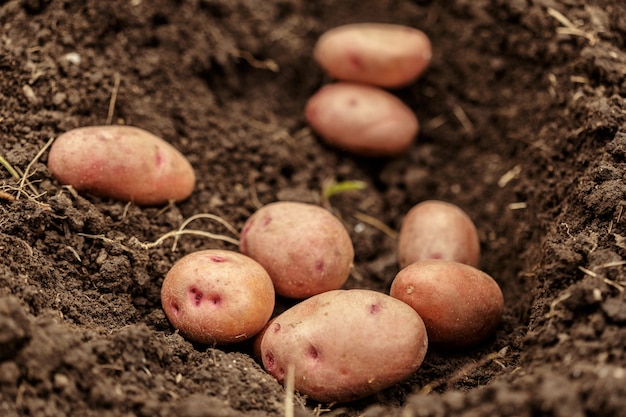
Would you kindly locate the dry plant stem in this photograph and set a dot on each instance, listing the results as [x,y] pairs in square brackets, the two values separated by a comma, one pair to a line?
[9,168]
[607,281]
[34,198]
[29,185]
[289,389]
[377,224]
[436,122]
[253,194]
[164,209]
[116,87]
[30,164]
[568,27]
[509,175]
[462,117]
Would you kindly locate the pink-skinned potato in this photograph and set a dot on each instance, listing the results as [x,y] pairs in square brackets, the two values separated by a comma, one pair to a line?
[344,344]
[436,229]
[121,162]
[461,306]
[385,55]
[362,119]
[217,296]
[305,249]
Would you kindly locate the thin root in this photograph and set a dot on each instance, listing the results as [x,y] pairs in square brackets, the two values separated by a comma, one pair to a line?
[9,168]
[176,233]
[266,64]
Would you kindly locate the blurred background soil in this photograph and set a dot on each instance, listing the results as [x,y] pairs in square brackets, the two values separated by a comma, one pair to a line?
[523,125]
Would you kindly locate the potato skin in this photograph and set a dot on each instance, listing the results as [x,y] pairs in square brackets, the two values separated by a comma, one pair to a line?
[121,162]
[344,344]
[305,249]
[362,119]
[461,306]
[385,55]
[438,230]
[217,296]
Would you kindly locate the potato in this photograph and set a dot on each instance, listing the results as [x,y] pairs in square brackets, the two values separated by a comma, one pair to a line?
[438,230]
[361,119]
[121,162]
[461,306]
[305,249]
[344,344]
[217,296]
[385,55]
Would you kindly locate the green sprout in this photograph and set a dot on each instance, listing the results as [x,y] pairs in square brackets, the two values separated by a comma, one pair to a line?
[331,188]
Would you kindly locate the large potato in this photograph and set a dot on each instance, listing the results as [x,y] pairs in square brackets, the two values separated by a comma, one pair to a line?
[344,344]
[438,230]
[361,119]
[386,55]
[461,306]
[121,162]
[305,249]
[217,296]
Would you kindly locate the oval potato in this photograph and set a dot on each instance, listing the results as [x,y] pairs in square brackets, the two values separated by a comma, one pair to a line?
[361,119]
[305,249]
[344,344]
[438,230]
[461,306]
[385,55]
[217,296]
[121,162]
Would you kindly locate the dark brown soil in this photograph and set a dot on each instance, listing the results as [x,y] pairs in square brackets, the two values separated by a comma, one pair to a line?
[523,116]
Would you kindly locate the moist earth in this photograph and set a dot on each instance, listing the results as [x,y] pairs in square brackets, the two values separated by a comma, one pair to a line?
[523,125]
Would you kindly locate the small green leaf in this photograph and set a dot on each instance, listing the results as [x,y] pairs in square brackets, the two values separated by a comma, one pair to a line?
[342,187]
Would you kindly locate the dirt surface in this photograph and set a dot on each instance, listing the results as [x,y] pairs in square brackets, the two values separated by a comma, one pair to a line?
[523,120]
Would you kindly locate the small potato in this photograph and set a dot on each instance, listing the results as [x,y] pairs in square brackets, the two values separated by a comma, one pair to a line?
[460,305]
[305,249]
[217,296]
[438,230]
[344,344]
[361,119]
[121,162]
[385,55]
